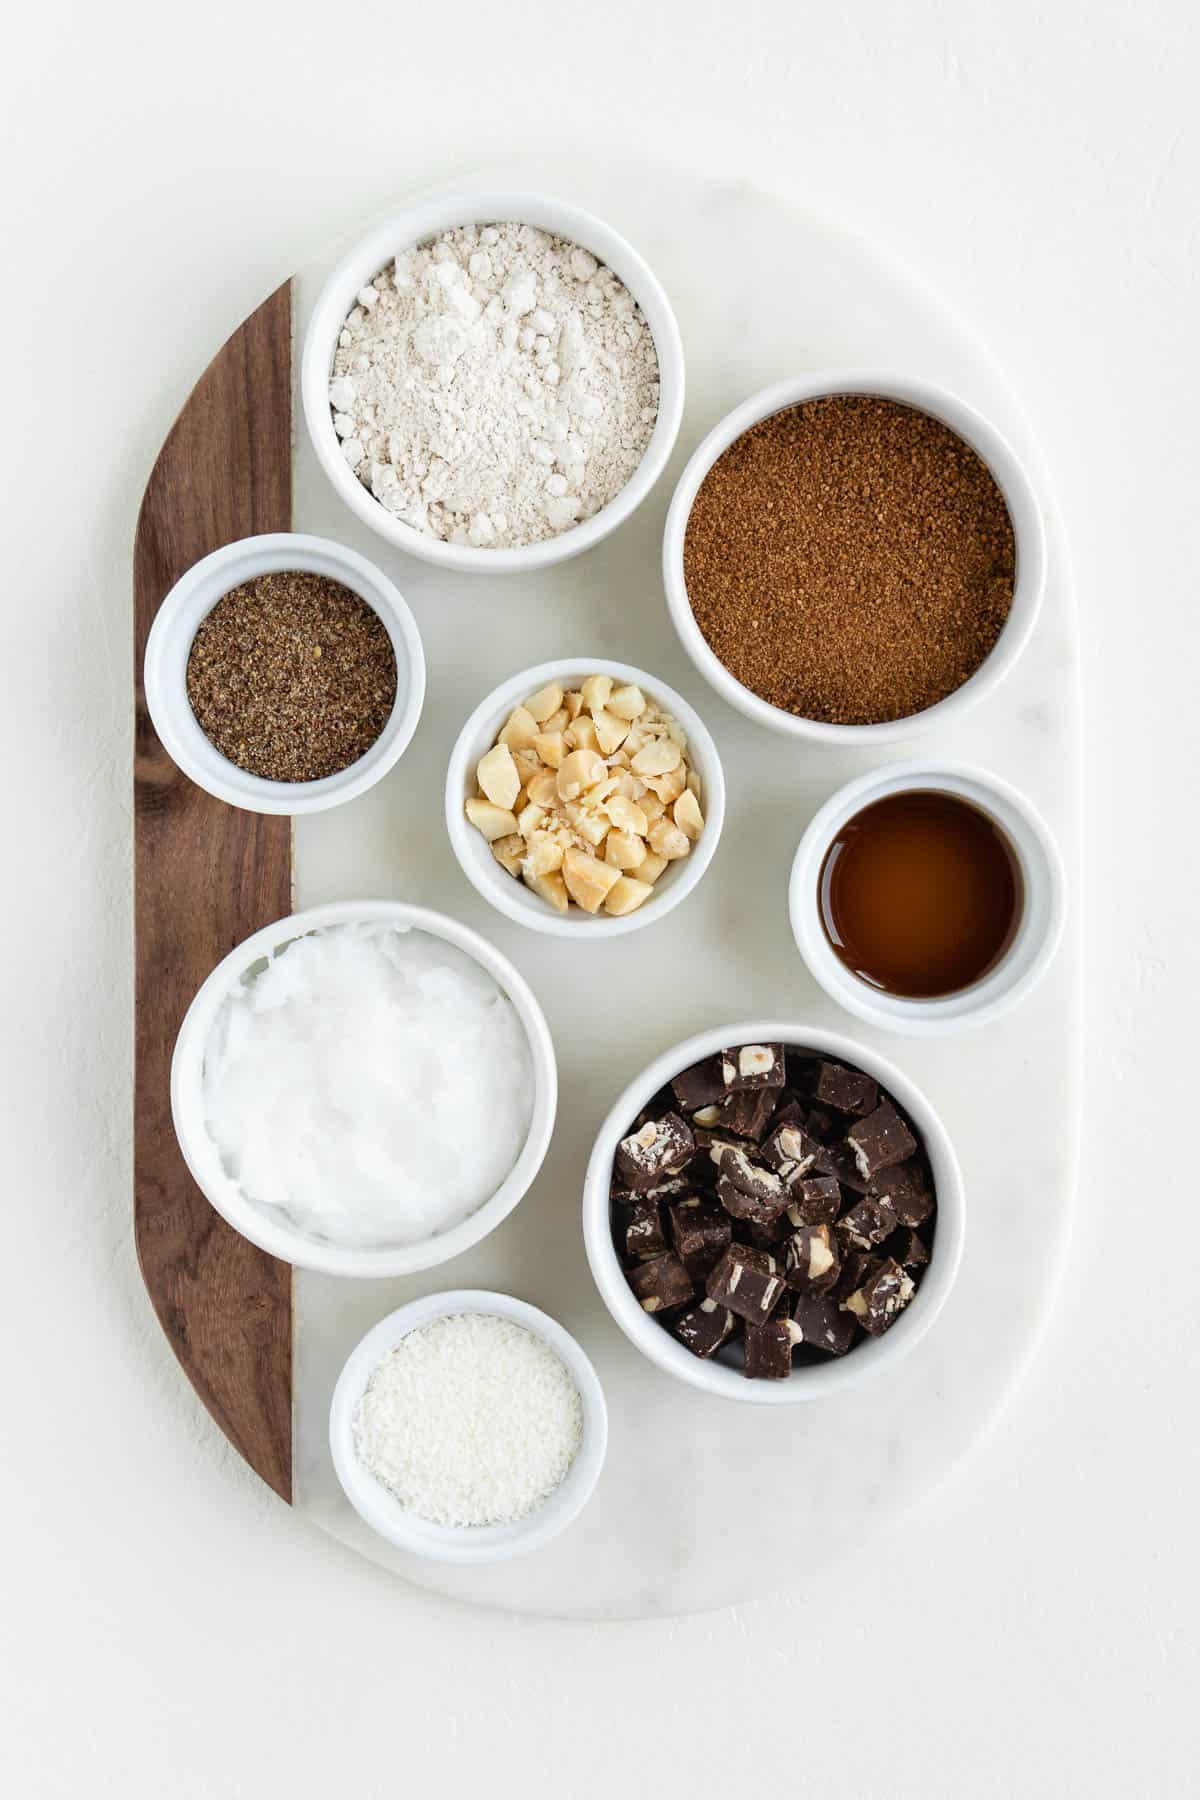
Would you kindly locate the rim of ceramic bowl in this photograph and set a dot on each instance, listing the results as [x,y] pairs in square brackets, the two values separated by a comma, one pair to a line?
[1043,910]
[510,896]
[169,645]
[996,452]
[813,1381]
[380,1509]
[274,1233]
[441,211]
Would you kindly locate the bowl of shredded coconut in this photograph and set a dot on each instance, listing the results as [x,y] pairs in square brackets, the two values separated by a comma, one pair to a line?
[366,1088]
[468,1427]
[492,380]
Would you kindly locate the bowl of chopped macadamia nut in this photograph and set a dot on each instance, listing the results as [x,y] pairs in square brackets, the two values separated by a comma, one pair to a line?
[584,798]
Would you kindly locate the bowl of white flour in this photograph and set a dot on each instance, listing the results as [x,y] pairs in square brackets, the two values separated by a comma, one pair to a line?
[366,1089]
[492,380]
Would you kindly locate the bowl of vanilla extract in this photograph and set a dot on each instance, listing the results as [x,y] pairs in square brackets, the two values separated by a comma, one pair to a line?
[927,895]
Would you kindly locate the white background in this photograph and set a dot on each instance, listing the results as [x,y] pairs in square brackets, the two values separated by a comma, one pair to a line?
[165,1627]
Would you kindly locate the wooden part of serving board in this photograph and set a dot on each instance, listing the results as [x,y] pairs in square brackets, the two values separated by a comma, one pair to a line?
[205,876]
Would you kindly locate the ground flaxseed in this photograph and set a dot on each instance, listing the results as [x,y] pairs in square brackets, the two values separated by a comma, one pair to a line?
[850,560]
[292,676]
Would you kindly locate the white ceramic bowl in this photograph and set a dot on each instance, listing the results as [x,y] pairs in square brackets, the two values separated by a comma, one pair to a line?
[1027,957]
[465,1544]
[868,1357]
[512,897]
[441,212]
[1010,476]
[169,646]
[268,1228]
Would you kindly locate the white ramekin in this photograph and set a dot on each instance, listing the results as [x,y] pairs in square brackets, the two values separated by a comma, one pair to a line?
[512,897]
[268,1228]
[465,1544]
[868,1357]
[1027,957]
[1024,510]
[486,205]
[169,646]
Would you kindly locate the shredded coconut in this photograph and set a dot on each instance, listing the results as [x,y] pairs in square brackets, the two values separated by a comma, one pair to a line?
[495,386]
[470,1420]
[373,1084]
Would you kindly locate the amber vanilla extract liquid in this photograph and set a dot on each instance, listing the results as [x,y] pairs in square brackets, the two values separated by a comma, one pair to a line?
[921,894]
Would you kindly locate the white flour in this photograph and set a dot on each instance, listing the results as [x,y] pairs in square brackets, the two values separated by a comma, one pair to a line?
[495,386]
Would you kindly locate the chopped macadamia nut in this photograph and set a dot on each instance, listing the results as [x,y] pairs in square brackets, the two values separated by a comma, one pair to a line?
[551,746]
[497,776]
[658,757]
[626,895]
[509,853]
[687,815]
[493,821]
[589,881]
[520,729]
[624,849]
[545,702]
[627,702]
[587,795]
[580,770]
[596,690]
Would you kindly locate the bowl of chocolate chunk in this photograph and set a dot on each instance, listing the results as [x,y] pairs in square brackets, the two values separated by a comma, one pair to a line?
[848,553]
[771,1212]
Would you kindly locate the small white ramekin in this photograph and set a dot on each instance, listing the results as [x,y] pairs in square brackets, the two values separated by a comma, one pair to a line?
[267,1227]
[169,646]
[465,1544]
[810,1382]
[470,206]
[1027,957]
[512,897]
[1014,483]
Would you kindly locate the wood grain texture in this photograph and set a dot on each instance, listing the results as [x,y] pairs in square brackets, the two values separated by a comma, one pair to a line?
[205,876]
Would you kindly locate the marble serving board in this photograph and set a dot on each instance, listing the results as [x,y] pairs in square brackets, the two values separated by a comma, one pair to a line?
[762,290]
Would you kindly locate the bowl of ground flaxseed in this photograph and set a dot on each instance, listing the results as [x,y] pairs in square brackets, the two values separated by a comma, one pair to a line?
[284,674]
[850,556]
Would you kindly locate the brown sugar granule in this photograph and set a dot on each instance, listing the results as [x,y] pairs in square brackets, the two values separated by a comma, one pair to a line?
[850,560]
[292,676]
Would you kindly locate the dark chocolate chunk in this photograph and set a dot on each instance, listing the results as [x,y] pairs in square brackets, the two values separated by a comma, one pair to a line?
[661,1284]
[757,1065]
[911,1251]
[700,1231]
[856,1267]
[880,1140]
[704,1328]
[747,1281]
[656,1149]
[823,1126]
[813,1259]
[907,1188]
[790,1150]
[644,1234]
[748,1114]
[768,1350]
[816,1201]
[848,1090]
[767,1237]
[704,1082]
[747,1190]
[822,1324]
[881,1298]
[838,1160]
[867,1223]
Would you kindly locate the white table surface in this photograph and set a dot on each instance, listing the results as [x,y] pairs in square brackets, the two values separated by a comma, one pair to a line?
[165,1626]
